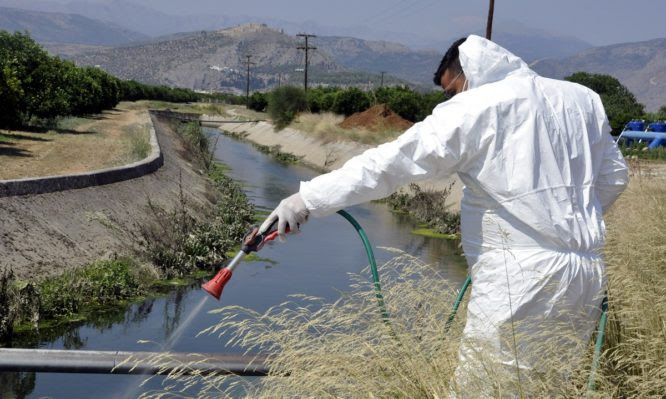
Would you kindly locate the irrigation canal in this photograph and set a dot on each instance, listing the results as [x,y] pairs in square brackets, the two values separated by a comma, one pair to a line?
[316,262]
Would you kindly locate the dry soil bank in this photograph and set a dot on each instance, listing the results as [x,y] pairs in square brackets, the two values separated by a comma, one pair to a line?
[47,233]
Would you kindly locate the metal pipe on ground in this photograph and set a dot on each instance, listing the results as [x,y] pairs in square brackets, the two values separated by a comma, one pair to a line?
[117,362]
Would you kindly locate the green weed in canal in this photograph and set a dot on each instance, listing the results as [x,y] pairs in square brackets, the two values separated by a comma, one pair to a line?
[178,243]
[101,283]
[427,207]
[275,151]
[432,233]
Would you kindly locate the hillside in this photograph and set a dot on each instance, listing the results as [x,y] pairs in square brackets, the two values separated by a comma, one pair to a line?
[134,17]
[215,60]
[376,56]
[639,66]
[65,28]
[532,44]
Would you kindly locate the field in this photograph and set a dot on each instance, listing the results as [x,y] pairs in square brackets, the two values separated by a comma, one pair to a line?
[76,145]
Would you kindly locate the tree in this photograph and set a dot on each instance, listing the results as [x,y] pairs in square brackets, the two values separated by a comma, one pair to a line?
[406,103]
[50,97]
[620,104]
[350,101]
[20,61]
[662,112]
[258,102]
[284,103]
[36,85]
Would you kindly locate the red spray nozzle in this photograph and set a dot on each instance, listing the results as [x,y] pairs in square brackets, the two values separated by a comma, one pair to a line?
[252,242]
[216,284]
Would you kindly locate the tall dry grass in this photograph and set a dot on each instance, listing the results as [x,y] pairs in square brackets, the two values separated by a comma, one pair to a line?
[326,127]
[634,360]
[346,350]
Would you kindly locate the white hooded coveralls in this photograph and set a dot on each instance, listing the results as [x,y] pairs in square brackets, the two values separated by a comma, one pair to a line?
[539,168]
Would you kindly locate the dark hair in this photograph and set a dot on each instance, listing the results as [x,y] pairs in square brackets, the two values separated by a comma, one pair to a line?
[449,61]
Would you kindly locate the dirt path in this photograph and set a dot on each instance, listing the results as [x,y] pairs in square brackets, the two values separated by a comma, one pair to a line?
[78,145]
[45,234]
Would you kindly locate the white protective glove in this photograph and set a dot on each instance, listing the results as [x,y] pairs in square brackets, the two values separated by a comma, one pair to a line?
[291,211]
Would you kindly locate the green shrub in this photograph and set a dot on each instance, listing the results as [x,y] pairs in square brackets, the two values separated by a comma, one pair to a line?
[350,101]
[178,244]
[408,103]
[258,102]
[284,103]
[194,139]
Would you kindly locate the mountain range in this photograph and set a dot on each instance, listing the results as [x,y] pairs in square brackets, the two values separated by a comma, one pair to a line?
[48,27]
[531,43]
[640,66]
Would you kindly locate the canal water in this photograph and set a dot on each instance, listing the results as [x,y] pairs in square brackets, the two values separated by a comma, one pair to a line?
[316,262]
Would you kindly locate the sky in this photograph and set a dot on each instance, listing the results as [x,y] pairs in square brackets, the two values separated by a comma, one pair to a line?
[598,22]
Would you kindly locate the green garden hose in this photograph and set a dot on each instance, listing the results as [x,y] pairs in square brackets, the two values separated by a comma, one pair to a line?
[373,263]
[385,315]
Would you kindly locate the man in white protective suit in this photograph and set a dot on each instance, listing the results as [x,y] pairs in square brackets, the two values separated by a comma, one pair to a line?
[539,168]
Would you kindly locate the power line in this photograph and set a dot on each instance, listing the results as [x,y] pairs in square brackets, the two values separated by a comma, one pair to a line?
[307,48]
[247,86]
[398,11]
[387,10]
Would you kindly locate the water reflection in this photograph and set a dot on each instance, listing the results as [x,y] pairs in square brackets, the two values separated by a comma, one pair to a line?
[16,385]
[172,312]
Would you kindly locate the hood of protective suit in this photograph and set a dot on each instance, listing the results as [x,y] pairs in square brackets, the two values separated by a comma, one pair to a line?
[485,62]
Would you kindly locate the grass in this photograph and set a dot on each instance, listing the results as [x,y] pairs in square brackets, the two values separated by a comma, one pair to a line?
[640,151]
[635,351]
[432,233]
[193,108]
[72,123]
[345,349]
[325,126]
[178,242]
[75,145]
[139,140]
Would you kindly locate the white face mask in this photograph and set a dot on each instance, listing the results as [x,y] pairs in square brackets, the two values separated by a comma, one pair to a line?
[464,88]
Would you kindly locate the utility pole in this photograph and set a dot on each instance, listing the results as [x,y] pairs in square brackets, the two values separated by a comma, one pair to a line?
[307,59]
[489,24]
[382,82]
[247,86]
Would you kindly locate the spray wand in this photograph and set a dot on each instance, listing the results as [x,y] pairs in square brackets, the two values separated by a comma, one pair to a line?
[252,242]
